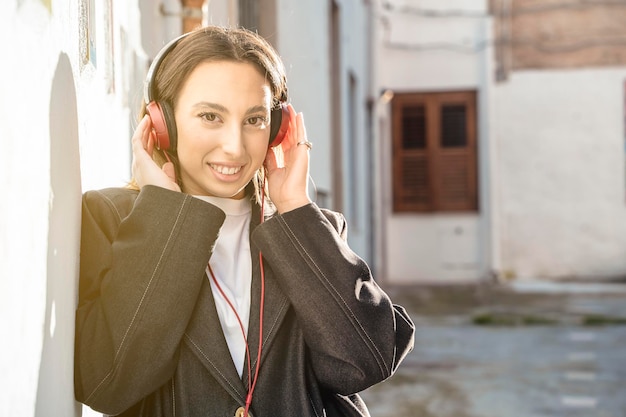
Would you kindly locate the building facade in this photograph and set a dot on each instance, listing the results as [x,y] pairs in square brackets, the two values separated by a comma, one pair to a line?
[500,140]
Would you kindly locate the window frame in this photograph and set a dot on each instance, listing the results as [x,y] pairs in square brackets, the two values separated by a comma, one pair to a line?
[443,179]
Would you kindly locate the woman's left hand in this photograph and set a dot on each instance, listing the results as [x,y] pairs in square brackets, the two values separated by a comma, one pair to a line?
[288,179]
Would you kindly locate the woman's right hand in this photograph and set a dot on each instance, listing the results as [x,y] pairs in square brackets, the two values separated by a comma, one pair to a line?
[145,170]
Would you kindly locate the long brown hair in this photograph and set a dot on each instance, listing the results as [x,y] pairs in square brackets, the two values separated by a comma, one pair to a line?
[210,44]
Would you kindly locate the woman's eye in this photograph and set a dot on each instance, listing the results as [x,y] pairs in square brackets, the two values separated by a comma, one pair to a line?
[257,121]
[209,117]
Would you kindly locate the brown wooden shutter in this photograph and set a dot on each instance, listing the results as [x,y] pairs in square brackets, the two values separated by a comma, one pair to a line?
[414,186]
[411,169]
[434,143]
[457,156]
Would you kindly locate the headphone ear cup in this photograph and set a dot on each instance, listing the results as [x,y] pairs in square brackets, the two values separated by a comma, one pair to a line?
[159,124]
[170,123]
[279,126]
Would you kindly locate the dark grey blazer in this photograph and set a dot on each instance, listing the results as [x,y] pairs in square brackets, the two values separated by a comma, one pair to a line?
[148,338]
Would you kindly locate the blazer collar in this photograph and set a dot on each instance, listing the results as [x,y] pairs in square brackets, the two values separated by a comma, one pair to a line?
[206,339]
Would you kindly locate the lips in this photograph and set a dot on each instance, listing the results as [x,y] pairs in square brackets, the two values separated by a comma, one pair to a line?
[224,170]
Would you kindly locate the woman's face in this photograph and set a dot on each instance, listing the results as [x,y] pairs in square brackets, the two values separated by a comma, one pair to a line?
[223,120]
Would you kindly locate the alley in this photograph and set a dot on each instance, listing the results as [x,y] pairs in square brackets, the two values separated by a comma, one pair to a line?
[502,352]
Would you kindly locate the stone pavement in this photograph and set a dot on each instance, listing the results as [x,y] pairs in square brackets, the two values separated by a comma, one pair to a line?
[523,350]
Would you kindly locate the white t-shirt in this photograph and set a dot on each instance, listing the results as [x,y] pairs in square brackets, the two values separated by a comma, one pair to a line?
[232,266]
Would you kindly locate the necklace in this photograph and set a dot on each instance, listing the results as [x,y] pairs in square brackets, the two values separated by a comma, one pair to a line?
[251,381]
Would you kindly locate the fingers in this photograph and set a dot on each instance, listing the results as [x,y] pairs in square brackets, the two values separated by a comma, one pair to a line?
[169,170]
[296,133]
[293,156]
[139,142]
[151,141]
[288,169]
[145,171]
[302,137]
[299,155]
[141,136]
[270,160]
[292,133]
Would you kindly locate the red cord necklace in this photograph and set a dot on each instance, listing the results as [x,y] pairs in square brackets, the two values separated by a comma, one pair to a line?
[251,382]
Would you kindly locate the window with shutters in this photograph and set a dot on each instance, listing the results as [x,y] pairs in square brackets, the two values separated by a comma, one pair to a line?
[434,152]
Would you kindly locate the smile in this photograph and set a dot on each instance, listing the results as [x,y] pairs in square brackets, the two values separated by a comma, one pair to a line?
[225,170]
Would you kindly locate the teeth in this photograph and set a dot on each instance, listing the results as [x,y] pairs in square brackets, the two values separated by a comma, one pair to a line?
[226,170]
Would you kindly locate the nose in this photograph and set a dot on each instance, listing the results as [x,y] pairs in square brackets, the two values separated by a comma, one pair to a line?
[232,140]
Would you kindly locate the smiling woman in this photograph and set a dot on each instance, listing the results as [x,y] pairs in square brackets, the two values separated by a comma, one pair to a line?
[221,115]
[194,301]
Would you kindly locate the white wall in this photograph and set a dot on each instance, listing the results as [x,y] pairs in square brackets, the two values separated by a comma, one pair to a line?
[64,127]
[438,248]
[562,177]
[24,182]
[415,52]
[221,12]
[357,152]
[304,44]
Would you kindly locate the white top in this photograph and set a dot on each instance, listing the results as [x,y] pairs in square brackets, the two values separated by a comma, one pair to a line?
[232,266]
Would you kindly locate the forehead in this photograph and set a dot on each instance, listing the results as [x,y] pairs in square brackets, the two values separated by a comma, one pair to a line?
[226,80]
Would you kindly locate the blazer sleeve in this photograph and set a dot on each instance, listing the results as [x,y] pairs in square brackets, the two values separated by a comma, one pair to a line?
[142,264]
[355,335]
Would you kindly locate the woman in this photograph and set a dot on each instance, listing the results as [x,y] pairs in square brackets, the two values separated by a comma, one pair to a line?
[179,313]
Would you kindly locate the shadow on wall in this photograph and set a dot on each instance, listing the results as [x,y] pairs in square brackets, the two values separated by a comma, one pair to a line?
[55,391]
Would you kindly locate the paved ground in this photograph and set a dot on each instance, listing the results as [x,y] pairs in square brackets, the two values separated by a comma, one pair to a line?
[496,351]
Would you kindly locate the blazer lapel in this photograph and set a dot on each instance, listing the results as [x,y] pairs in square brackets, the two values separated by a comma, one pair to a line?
[205,337]
[275,308]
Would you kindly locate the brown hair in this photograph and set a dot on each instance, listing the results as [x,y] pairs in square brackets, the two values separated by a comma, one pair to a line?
[214,43]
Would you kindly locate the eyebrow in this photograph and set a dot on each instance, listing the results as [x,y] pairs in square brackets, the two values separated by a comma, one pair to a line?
[223,109]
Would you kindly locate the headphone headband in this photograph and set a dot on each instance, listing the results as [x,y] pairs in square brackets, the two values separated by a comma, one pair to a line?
[148,85]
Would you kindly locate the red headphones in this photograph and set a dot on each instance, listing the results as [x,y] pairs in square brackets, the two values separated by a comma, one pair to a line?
[162,113]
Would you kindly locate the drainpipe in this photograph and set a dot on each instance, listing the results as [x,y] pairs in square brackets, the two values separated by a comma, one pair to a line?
[378,112]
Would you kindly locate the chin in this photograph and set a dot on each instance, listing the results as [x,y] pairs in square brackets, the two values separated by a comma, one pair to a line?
[236,194]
